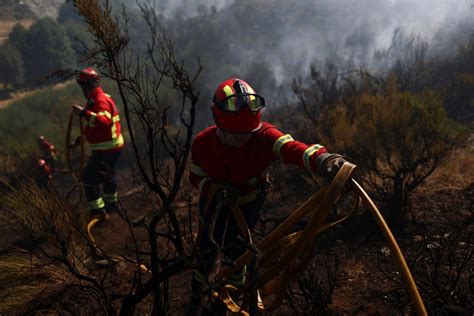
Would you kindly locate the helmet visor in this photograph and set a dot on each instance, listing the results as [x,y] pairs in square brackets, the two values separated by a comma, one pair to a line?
[238,102]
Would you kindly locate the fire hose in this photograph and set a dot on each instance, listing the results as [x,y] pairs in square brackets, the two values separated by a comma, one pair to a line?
[76,177]
[285,255]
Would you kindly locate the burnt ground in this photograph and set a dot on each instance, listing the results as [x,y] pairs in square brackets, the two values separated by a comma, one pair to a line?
[352,261]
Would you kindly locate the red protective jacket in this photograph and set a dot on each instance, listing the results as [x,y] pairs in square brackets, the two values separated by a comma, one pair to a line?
[245,167]
[43,169]
[102,130]
[47,149]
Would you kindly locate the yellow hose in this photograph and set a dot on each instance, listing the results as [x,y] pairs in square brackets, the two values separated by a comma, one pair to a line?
[300,245]
[398,256]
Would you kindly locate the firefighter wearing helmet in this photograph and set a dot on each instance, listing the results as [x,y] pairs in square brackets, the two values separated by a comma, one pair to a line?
[43,173]
[231,157]
[48,152]
[103,132]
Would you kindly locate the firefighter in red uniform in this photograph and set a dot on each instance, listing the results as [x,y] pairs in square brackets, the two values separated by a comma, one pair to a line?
[103,132]
[232,156]
[48,152]
[43,173]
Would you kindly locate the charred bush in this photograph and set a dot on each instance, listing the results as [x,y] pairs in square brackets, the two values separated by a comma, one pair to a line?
[397,138]
[441,262]
[312,292]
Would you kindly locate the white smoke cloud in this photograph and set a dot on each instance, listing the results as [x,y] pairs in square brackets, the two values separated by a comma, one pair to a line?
[354,30]
[188,7]
[348,30]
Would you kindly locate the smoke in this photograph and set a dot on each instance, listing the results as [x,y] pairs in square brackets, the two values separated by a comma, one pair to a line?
[170,8]
[304,32]
[351,32]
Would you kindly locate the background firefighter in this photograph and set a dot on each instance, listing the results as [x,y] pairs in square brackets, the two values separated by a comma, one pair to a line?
[103,132]
[43,173]
[48,153]
[231,157]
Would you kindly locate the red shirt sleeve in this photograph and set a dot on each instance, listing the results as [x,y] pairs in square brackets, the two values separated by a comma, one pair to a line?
[283,147]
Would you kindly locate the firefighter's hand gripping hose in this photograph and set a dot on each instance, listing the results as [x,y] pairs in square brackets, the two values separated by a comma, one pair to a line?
[285,255]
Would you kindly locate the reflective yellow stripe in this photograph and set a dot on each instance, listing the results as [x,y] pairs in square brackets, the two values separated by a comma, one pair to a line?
[96,204]
[107,95]
[282,140]
[92,118]
[250,89]
[231,101]
[249,197]
[253,104]
[237,278]
[239,274]
[111,197]
[198,171]
[202,183]
[115,119]
[238,283]
[114,143]
[308,153]
[113,130]
[105,113]
[228,91]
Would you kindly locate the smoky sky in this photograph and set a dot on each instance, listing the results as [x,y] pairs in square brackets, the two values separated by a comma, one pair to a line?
[348,30]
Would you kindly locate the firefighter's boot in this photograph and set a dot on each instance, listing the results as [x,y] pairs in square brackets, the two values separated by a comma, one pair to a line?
[99,214]
[111,202]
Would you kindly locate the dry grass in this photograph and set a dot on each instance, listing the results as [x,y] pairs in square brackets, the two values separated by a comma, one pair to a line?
[18,95]
[457,171]
[21,281]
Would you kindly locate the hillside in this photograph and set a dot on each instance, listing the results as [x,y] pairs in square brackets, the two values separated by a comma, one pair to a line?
[365,279]
[408,129]
[25,12]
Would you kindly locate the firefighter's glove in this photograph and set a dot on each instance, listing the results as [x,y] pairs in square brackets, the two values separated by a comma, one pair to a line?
[227,194]
[329,164]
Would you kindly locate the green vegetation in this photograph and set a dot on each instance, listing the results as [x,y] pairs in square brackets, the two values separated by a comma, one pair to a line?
[44,48]
[11,66]
[48,49]
[397,138]
[43,113]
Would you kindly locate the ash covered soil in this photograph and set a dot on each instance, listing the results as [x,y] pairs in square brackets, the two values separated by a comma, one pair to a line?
[352,259]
